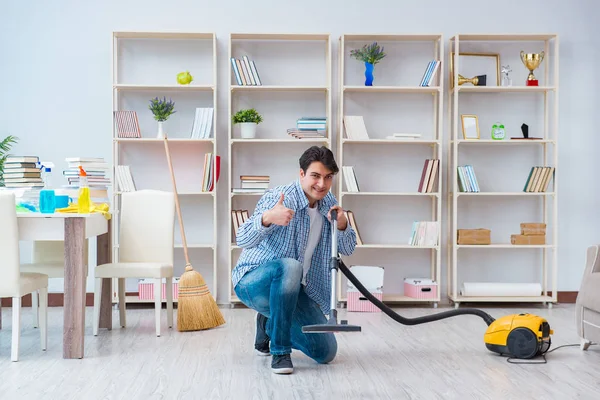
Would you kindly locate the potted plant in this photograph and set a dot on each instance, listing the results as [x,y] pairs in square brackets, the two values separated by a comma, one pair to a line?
[5,146]
[248,120]
[162,110]
[370,54]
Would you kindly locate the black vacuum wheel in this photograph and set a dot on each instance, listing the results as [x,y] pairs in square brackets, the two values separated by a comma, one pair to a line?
[522,343]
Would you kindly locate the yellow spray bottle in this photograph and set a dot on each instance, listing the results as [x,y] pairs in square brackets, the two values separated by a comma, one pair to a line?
[83,202]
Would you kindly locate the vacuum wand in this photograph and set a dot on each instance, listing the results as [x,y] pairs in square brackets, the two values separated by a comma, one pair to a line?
[332,323]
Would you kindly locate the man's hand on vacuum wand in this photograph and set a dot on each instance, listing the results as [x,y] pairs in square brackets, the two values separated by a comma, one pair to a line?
[278,215]
[342,221]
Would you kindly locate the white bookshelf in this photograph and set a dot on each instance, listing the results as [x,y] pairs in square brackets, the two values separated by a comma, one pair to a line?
[389,170]
[145,66]
[295,74]
[502,168]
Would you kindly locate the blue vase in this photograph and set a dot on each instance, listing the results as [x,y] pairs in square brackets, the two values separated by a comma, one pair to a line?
[369,74]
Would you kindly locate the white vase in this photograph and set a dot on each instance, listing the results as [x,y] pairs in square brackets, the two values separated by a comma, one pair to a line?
[248,130]
[161,133]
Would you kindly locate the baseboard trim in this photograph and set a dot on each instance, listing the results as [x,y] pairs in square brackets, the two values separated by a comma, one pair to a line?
[57,299]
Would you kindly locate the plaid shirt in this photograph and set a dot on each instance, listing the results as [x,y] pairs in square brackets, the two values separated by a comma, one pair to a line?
[261,244]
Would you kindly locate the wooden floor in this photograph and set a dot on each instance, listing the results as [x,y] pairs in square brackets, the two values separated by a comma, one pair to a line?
[441,360]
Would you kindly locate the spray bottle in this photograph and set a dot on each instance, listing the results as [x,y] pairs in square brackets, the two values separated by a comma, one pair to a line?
[83,202]
[47,194]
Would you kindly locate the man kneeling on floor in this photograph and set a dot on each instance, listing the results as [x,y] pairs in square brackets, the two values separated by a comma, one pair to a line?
[284,269]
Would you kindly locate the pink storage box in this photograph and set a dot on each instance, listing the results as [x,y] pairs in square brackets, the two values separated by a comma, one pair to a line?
[146,289]
[420,288]
[359,303]
[371,278]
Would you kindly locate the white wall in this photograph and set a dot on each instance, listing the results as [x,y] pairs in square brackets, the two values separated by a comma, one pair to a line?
[55,77]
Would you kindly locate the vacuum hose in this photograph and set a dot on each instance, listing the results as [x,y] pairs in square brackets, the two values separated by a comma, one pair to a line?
[410,321]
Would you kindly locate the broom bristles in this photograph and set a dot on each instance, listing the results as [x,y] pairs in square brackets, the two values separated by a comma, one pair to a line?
[196,308]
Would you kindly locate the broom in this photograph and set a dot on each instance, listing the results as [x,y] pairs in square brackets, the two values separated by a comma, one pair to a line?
[196,308]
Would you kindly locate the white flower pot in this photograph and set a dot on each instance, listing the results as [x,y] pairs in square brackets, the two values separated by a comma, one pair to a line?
[248,130]
[161,133]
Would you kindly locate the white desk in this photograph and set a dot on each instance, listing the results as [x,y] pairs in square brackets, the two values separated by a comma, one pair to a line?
[74,229]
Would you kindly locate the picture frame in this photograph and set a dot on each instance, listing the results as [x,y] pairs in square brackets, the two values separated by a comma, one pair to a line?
[470,126]
[476,64]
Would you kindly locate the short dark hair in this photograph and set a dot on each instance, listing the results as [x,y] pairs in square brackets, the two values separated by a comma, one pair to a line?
[321,154]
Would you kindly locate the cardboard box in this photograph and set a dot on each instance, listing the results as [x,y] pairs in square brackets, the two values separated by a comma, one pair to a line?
[474,236]
[533,228]
[359,303]
[527,239]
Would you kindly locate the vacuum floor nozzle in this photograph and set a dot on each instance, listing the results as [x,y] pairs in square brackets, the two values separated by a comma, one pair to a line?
[328,328]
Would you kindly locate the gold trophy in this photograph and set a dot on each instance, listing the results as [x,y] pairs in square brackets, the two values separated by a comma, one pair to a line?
[479,80]
[532,61]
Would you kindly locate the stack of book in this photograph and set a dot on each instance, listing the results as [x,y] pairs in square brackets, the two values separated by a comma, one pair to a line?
[22,172]
[309,127]
[253,184]
[95,169]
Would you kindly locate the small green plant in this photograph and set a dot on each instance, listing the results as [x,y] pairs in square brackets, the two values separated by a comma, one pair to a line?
[5,147]
[162,109]
[371,54]
[250,115]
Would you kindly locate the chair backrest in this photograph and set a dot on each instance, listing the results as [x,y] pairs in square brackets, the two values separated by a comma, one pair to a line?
[147,226]
[9,246]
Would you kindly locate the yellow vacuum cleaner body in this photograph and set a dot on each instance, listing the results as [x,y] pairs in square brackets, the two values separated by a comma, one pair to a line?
[519,335]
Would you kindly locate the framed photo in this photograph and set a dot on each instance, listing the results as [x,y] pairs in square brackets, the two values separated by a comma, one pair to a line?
[470,126]
[471,65]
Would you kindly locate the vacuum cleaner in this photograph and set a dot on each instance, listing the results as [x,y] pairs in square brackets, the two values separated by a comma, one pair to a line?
[521,336]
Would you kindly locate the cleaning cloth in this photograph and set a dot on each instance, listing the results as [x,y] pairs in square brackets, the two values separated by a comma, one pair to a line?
[94,208]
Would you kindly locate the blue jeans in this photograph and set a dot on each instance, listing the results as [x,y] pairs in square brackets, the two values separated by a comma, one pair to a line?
[274,290]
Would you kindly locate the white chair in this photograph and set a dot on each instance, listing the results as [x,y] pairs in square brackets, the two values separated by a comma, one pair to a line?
[146,230]
[13,282]
[48,259]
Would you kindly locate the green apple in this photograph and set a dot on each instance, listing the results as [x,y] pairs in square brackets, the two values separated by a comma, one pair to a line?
[184,78]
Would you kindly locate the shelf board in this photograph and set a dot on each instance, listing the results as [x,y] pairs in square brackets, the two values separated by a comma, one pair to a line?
[505,193]
[195,246]
[504,246]
[181,193]
[504,89]
[182,88]
[501,299]
[388,194]
[389,141]
[164,35]
[394,246]
[392,89]
[504,142]
[278,88]
[190,246]
[390,38]
[248,194]
[400,298]
[305,140]
[279,36]
[156,140]
[487,37]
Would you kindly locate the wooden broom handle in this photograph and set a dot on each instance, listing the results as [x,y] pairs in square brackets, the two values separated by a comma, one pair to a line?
[185,249]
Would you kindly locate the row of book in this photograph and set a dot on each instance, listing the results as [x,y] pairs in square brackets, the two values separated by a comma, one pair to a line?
[467,181]
[428,182]
[424,233]
[212,172]
[245,72]
[125,182]
[539,179]
[203,120]
[128,127]
[430,73]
